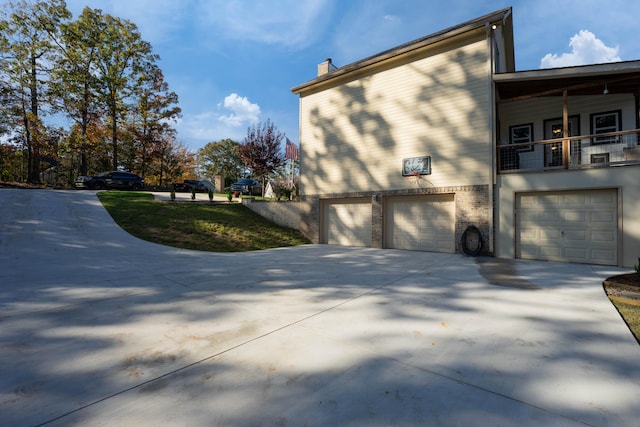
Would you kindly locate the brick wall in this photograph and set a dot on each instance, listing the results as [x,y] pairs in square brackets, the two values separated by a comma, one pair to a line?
[471,208]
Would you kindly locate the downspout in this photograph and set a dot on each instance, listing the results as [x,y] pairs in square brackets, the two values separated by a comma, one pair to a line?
[492,134]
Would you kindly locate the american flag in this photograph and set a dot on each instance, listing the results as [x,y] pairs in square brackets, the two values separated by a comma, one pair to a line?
[291,150]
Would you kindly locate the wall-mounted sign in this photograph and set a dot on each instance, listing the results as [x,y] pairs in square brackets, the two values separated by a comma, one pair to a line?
[416,166]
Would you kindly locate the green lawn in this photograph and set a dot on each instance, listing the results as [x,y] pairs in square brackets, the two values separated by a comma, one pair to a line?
[213,227]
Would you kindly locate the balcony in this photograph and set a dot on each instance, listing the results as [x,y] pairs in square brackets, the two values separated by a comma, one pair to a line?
[577,152]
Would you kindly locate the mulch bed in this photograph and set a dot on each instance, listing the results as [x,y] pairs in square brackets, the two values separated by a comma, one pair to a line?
[624,288]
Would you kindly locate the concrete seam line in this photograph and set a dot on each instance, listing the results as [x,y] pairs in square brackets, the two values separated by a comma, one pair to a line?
[213,356]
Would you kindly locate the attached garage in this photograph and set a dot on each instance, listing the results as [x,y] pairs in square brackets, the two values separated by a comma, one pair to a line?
[420,223]
[347,222]
[570,226]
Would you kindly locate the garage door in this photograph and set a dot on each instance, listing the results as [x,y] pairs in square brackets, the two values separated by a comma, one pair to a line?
[421,223]
[347,222]
[570,226]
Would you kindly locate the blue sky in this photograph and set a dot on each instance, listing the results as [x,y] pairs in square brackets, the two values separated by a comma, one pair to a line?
[233,63]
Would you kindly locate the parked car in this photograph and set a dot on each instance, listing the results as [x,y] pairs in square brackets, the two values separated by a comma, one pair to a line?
[188,184]
[109,180]
[247,186]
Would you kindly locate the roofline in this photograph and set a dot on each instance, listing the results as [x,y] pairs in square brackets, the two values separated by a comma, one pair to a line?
[567,72]
[481,22]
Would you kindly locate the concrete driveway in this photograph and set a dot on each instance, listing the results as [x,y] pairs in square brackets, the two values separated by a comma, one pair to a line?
[100,328]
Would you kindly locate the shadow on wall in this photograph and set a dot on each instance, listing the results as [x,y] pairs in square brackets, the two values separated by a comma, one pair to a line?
[362,134]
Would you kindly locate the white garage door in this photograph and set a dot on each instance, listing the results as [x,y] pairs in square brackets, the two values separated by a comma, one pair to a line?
[570,226]
[421,223]
[347,222]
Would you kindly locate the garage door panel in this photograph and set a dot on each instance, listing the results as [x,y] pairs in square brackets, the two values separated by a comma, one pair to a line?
[551,252]
[604,198]
[573,226]
[420,223]
[576,253]
[575,216]
[573,199]
[549,217]
[604,256]
[575,235]
[605,218]
[605,236]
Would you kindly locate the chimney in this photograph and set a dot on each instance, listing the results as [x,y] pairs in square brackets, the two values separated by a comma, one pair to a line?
[326,67]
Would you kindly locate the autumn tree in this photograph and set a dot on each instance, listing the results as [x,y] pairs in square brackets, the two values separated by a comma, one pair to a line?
[221,158]
[175,161]
[27,34]
[260,151]
[98,72]
[149,119]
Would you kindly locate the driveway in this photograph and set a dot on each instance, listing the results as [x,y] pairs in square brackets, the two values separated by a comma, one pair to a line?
[100,328]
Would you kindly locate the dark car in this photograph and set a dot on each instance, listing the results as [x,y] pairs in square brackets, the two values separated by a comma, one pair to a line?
[247,186]
[111,180]
[189,184]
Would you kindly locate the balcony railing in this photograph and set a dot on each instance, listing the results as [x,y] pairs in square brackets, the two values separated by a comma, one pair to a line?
[576,152]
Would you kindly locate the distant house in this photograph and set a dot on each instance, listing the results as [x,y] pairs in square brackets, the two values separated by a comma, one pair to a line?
[411,147]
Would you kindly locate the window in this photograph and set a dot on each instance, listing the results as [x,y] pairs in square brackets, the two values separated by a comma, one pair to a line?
[600,158]
[604,123]
[520,134]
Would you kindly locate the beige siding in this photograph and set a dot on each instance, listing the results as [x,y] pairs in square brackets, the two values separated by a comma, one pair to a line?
[354,136]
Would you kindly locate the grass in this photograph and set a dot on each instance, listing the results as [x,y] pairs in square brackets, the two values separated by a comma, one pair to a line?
[212,227]
[631,315]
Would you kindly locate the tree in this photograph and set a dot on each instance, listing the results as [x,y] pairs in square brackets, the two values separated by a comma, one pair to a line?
[221,158]
[27,34]
[75,84]
[121,55]
[149,119]
[175,160]
[260,150]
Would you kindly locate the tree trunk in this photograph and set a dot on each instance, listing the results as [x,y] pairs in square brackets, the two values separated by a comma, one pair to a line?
[114,138]
[34,150]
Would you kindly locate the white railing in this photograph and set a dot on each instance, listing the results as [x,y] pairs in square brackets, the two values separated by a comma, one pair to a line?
[576,152]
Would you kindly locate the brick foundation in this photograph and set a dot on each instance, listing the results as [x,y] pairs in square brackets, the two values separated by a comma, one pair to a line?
[471,208]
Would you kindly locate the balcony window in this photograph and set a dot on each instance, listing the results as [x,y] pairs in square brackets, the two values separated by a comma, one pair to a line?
[521,133]
[605,123]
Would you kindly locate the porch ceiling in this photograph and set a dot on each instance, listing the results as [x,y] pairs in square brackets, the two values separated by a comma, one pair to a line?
[533,84]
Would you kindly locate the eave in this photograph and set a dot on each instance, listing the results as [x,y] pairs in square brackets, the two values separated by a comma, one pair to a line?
[619,77]
[501,17]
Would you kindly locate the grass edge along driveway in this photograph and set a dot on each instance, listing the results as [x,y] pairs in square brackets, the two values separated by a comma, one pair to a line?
[208,226]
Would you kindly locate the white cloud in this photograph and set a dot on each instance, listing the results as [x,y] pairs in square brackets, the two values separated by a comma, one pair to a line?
[197,129]
[586,49]
[243,111]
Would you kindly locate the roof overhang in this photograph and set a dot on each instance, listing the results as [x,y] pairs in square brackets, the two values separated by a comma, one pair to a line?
[501,17]
[619,77]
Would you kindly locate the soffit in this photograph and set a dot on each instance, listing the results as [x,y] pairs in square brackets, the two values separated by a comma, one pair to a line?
[620,78]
